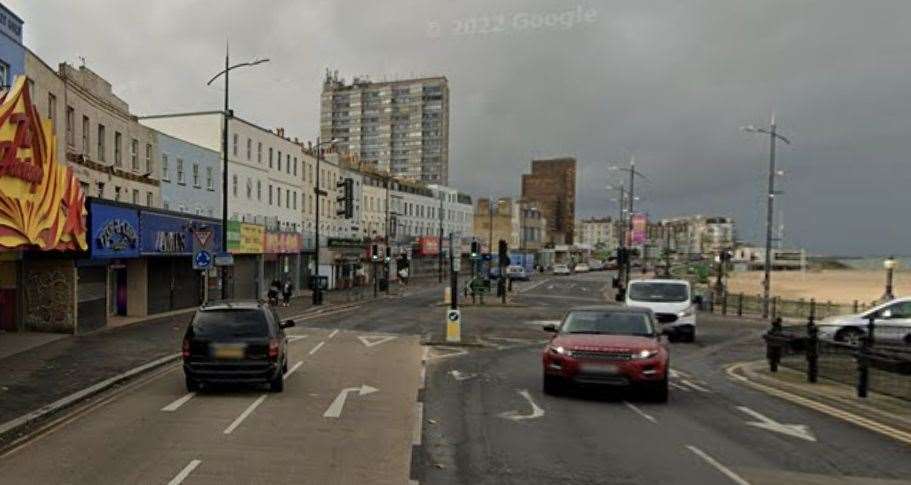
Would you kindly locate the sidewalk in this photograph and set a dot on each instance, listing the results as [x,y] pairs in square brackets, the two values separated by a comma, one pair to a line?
[880,413]
[57,367]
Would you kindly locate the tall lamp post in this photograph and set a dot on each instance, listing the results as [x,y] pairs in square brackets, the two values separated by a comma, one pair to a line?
[228,114]
[440,240]
[770,197]
[889,264]
[633,173]
[316,282]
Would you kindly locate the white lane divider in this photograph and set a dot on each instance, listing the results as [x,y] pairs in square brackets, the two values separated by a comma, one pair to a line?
[295,338]
[718,466]
[316,349]
[170,408]
[640,412]
[187,470]
[247,412]
[333,334]
[694,385]
[536,411]
[679,387]
[291,370]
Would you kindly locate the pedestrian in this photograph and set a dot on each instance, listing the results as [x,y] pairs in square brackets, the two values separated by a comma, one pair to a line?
[403,276]
[287,289]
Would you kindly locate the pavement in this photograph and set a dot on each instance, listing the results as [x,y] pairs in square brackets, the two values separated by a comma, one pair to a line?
[432,414]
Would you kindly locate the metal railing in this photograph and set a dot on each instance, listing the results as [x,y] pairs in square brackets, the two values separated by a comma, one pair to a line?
[742,304]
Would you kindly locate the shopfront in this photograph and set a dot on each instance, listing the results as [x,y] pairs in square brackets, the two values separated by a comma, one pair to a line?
[349,258]
[167,249]
[245,242]
[114,251]
[281,258]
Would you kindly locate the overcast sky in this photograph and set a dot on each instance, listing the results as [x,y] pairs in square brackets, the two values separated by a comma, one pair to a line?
[669,82]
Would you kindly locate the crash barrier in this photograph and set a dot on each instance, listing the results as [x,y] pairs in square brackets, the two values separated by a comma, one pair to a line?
[876,357]
[742,304]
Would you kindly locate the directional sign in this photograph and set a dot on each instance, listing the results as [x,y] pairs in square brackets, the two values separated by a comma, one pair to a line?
[224,260]
[203,237]
[335,409]
[453,325]
[202,260]
[794,430]
[457,264]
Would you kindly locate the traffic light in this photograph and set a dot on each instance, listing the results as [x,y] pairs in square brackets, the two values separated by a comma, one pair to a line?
[388,254]
[346,199]
[503,253]
[375,253]
[474,250]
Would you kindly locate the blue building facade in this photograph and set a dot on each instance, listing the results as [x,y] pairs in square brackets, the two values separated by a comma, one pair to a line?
[190,177]
[12,52]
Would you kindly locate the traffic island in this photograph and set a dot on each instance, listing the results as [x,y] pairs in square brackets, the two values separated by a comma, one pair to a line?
[877,412]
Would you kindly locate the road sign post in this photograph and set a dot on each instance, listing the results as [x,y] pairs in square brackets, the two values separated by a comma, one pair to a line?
[453,325]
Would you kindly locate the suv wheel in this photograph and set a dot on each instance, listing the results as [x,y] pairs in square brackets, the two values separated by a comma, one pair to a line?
[192,384]
[277,384]
[659,391]
[551,385]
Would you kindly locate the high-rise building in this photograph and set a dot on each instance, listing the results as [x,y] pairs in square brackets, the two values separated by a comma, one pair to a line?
[400,126]
[552,185]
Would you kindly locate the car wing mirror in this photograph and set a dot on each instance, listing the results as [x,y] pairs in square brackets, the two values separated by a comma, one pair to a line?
[550,328]
[886,314]
[287,324]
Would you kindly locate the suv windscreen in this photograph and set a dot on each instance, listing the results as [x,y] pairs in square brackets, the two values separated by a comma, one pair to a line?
[658,292]
[219,324]
[610,323]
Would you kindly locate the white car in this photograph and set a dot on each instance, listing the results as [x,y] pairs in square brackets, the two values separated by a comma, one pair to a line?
[516,272]
[562,269]
[672,303]
[582,268]
[892,323]
[596,265]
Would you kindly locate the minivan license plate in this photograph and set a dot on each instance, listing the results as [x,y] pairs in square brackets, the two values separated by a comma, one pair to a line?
[228,352]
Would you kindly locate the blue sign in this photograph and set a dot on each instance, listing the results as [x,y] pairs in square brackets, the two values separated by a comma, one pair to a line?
[114,231]
[202,260]
[166,234]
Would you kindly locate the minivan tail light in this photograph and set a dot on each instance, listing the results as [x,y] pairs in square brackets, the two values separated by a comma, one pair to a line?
[273,349]
[185,350]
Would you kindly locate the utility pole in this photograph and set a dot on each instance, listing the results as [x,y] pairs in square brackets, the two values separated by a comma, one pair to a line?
[632,198]
[388,245]
[440,241]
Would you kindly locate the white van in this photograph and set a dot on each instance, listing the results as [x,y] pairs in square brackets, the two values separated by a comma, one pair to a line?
[672,303]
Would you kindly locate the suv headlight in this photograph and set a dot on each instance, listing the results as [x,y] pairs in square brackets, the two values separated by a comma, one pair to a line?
[561,351]
[645,354]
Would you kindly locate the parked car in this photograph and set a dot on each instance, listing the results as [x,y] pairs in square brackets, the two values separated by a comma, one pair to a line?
[672,303]
[561,269]
[516,272]
[235,342]
[596,265]
[607,345]
[582,268]
[892,320]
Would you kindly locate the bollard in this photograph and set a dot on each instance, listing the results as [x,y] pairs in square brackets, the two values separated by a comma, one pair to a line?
[740,305]
[812,345]
[724,303]
[828,307]
[773,347]
[855,306]
[774,307]
[863,359]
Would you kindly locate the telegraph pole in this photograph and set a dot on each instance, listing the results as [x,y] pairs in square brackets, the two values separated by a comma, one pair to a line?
[440,241]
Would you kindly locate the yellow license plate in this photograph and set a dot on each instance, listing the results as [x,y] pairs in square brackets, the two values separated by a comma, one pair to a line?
[229,353]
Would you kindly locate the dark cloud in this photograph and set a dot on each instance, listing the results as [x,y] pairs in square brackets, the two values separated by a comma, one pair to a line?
[667,81]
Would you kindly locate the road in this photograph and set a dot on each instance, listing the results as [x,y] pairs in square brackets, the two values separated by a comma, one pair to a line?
[365,402]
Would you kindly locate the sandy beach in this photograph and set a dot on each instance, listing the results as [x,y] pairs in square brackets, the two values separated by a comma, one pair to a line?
[839,286]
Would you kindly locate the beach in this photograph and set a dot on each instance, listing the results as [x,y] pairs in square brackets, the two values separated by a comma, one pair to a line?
[838,286]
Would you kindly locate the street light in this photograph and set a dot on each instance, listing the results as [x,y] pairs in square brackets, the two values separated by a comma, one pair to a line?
[317,287]
[773,136]
[633,173]
[890,263]
[224,154]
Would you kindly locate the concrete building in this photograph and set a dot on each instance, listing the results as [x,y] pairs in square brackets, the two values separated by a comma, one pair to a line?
[397,126]
[113,155]
[457,211]
[190,177]
[12,52]
[694,236]
[595,231]
[552,185]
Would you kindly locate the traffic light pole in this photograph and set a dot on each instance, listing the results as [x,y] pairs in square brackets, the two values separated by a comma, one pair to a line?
[453,278]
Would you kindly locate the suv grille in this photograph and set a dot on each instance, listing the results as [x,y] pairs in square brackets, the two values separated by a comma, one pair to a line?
[595,355]
[666,317]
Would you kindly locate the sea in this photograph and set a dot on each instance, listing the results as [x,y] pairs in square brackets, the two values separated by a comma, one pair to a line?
[876,262]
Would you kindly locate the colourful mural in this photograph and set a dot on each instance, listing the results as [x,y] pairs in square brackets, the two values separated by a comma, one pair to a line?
[41,203]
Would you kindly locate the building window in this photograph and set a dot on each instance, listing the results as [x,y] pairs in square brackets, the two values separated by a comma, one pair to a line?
[180,178]
[259,152]
[235,144]
[52,108]
[135,196]
[85,136]
[70,126]
[249,149]
[116,193]
[196,174]
[287,198]
[294,206]
[270,194]
[149,201]
[249,188]
[164,168]
[259,190]
[279,196]
[4,74]
[270,157]
[210,184]
[279,161]
[288,163]
[118,154]
[234,185]
[101,142]
[134,154]
[148,158]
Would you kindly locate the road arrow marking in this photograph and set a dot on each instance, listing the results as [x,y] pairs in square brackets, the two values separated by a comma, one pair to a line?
[460,376]
[446,352]
[335,409]
[536,411]
[795,430]
[372,340]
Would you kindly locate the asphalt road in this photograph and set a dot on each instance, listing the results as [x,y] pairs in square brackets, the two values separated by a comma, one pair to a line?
[455,414]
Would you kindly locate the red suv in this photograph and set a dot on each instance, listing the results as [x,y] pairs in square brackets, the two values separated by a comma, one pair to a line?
[607,345]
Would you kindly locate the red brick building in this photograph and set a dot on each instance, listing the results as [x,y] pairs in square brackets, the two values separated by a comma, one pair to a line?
[552,184]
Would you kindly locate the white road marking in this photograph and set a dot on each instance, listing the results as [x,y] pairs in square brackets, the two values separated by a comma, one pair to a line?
[641,413]
[529,288]
[694,385]
[295,338]
[187,470]
[536,411]
[679,387]
[243,415]
[315,349]
[718,466]
[170,408]
[678,373]
[417,431]
[333,334]
[335,409]
[460,376]
[451,353]
[796,430]
[291,370]
[372,340]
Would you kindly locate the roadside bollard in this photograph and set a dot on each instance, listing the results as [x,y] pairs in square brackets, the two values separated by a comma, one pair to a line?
[773,345]
[774,307]
[863,359]
[740,305]
[724,303]
[812,345]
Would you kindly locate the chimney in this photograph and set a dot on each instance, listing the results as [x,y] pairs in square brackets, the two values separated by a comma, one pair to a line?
[280,132]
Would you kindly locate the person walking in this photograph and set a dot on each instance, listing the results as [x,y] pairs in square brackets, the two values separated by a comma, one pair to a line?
[287,289]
